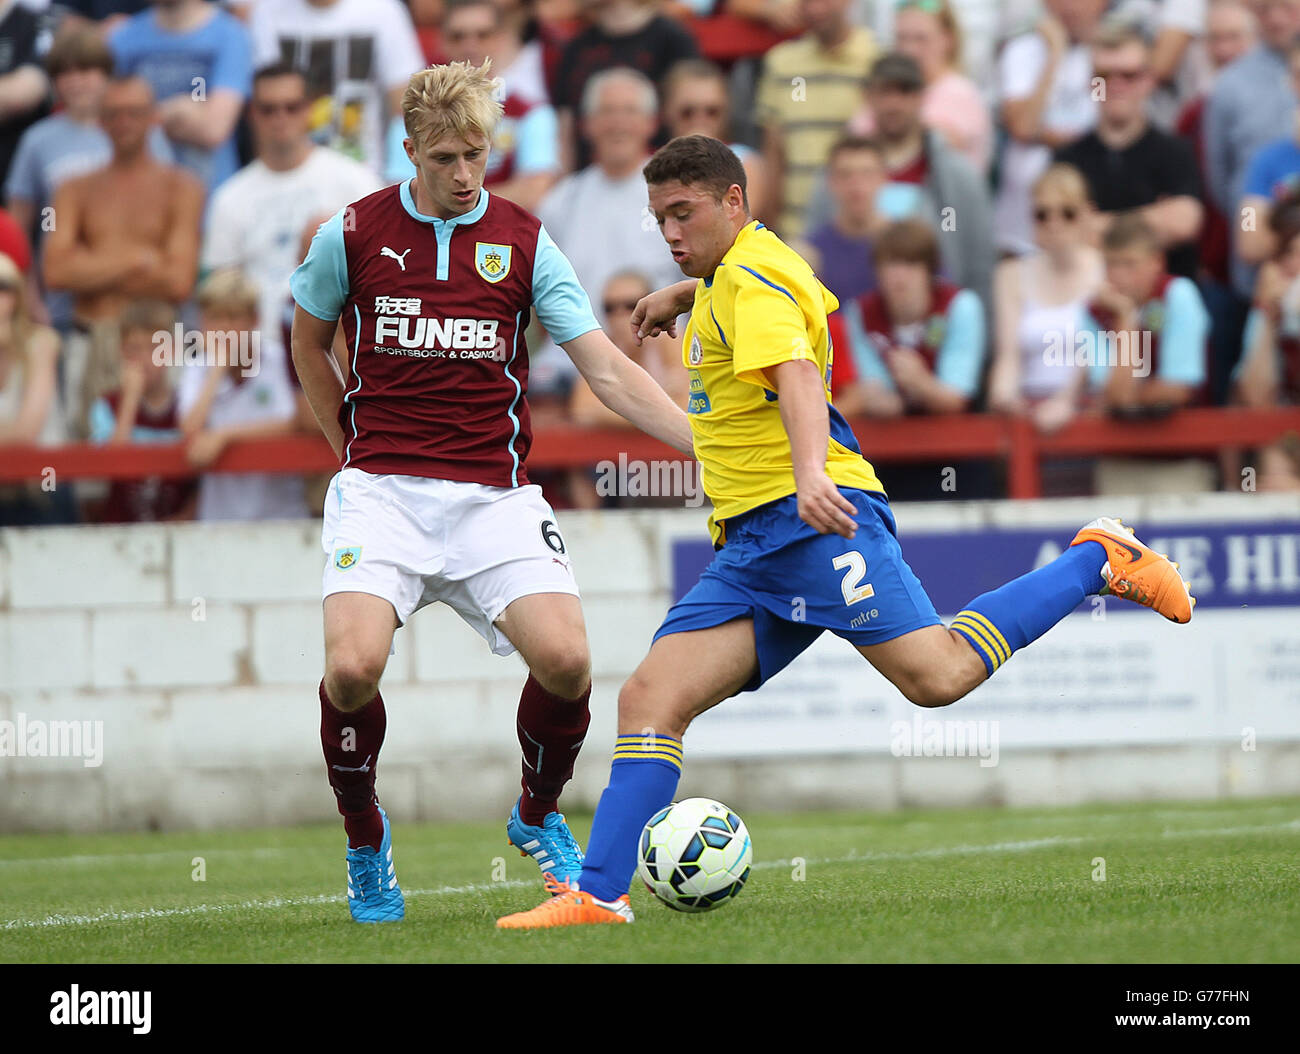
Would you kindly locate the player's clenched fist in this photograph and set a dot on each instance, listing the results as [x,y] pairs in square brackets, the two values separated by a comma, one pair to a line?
[657,313]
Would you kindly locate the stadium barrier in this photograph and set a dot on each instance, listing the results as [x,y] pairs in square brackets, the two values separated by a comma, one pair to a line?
[164,676]
[1012,441]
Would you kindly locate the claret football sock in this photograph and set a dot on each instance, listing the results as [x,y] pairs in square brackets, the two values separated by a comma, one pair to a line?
[551,730]
[1005,620]
[351,742]
[642,780]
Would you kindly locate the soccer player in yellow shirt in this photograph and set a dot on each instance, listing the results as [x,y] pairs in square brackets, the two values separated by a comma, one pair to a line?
[804,534]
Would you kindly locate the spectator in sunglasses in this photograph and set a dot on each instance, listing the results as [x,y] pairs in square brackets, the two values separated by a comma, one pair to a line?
[1045,100]
[660,356]
[257,216]
[696,102]
[1040,300]
[1129,164]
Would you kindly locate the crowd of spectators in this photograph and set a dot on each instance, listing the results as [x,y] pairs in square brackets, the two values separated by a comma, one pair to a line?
[1039,208]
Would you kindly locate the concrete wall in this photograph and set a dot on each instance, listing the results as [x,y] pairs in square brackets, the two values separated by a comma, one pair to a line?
[199,649]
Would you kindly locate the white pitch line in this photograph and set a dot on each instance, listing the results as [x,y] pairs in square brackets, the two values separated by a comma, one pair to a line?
[108,858]
[247,905]
[484,887]
[946,850]
[113,859]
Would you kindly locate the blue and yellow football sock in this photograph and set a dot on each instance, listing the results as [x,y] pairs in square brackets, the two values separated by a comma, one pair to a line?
[1011,616]
[642,780]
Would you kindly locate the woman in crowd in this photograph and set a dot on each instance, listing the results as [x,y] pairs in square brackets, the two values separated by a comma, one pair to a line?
[29,410]
[1039,303]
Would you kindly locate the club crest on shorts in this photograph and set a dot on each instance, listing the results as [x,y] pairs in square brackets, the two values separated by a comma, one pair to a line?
[492,260]
[697,352]
[345,558]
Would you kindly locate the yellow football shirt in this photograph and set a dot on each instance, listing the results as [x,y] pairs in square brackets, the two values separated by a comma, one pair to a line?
[762,306]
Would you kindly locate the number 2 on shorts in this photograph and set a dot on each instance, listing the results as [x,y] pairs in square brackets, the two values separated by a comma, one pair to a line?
[854,566]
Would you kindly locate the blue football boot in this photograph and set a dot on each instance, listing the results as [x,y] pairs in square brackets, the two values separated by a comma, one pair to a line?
[551,845]
[373,892]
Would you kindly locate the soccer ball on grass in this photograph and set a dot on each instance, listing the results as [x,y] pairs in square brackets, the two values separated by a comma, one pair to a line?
[694,854]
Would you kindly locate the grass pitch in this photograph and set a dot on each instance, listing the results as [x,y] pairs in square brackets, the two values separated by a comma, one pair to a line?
[1199,882]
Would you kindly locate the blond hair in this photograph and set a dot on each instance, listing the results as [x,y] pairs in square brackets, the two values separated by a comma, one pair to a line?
[457,98]
[1065,180]
[943,13]
[231,291]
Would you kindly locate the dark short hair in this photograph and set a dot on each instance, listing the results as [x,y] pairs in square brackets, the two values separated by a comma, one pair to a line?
[853,144]
[1284,221]
[688,70]
[698,160]
[1129,230]
[79,49]
[450,7]
[277,69]
[896,70]
[908,242]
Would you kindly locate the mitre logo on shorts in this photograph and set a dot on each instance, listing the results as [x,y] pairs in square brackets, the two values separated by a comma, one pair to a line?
[492,260]
[400,329]
[345,558]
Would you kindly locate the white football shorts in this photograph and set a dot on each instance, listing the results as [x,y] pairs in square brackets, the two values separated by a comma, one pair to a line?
[414,541]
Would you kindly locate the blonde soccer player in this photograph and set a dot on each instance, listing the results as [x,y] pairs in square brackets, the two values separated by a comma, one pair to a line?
[434,280]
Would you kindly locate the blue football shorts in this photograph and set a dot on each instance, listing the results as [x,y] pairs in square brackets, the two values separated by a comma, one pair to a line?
[795,583]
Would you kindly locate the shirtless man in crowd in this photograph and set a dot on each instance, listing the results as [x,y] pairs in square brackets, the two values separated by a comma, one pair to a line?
[125,231]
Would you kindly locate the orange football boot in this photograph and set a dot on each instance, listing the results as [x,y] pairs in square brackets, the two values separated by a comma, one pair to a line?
[568,906]
[1137,573]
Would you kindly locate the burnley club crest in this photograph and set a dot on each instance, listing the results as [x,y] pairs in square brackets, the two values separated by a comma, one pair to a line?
[492,261]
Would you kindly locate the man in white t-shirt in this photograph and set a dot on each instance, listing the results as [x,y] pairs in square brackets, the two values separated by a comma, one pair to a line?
[598,216]
[236,389]
[258,217]
[357,56]
[1046,100]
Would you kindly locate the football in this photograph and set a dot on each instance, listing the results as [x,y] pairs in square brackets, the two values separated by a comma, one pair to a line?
[694,854]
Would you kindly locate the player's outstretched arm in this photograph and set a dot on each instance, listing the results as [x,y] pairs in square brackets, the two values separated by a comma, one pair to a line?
[318,372]
[628,390]
[657,312]
[807,423]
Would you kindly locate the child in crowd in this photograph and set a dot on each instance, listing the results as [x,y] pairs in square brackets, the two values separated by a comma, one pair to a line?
[144,408]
